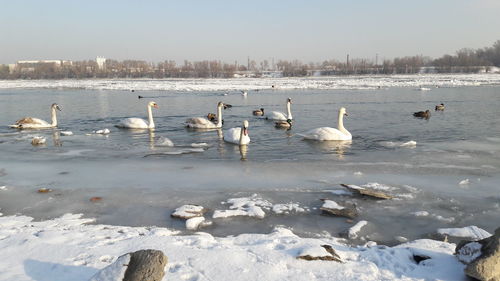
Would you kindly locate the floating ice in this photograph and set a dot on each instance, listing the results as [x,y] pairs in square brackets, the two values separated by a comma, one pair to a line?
[188,211]
[464,182]
[104,131]
[194,223]
[66,133]
[289,208]
[245,206]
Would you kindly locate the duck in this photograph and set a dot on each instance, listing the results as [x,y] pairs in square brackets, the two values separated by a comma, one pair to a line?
[238,135]
[204,123]
[258,112]
[422,114]
[330,134]
[35,123]
[212,117]
[276,115]
[139,123]
[440,107]
[283,124]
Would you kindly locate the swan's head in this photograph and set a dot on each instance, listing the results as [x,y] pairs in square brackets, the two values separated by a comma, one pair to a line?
[289,100]
[56,106]
[343,111]
[220,104]
[153,104]
[245,128]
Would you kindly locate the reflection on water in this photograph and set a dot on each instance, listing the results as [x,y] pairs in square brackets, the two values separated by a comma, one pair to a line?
[331,147]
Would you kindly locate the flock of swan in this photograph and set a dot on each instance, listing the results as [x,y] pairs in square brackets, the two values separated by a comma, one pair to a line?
[238,135]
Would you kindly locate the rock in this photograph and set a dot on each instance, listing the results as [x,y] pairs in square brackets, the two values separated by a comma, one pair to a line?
[419,258]
[188,211]
[312,254]
[143,265]
[332,208]
[367,192]
[483,257]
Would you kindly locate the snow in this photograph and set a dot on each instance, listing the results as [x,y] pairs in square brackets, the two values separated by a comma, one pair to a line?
[314,251]
[188,211]
[289,208]
[244,206]
[330,204]
[424,81]
[472,232]
[69,248]
[115,272]
[469,252]
[355,229]
[194,223]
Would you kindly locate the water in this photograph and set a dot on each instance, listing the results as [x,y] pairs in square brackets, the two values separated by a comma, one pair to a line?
[141,182]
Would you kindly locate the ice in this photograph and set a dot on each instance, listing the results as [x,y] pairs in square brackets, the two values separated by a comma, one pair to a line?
[66,133]
[194,223]
[469,252]
[420,214]
[420,82]
[464,182]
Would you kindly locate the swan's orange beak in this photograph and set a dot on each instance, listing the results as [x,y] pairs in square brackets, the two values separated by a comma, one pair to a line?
[346,114]
[245,131]
[155,105]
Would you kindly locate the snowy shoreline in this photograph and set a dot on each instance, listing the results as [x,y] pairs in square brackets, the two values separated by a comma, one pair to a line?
[68,248]
[418,81]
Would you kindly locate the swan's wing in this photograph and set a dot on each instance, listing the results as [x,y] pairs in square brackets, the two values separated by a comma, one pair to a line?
[32,121]
[325,134]
[276,115]
[232,135]
[133,123]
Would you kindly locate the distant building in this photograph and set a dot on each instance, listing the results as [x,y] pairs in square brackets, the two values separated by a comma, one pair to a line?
[101,62]
[30,65]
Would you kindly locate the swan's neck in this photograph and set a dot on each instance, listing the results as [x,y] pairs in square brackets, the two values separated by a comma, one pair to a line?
[288,111]
[219,116]
[242,133]
[54,117]
[150,118]
[341,124]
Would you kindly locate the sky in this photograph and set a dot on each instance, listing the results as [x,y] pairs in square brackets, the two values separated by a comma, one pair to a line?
[311,31]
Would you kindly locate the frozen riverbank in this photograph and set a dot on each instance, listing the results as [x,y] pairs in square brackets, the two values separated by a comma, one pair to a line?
[67,248]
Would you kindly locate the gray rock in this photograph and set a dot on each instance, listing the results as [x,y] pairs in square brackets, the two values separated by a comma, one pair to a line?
[484,261]
[348,211]
[367,191]
[143,265]
[332,257]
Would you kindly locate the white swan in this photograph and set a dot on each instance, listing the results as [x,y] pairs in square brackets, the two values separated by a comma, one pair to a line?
[280,116]
[139,123]
[204,123]
[327,133]
[238,135]
[35,123]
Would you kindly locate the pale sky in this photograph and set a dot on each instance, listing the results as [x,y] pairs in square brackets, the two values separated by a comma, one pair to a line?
[311,31]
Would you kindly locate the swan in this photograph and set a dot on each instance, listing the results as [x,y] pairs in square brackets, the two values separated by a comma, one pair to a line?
[238,135]
[258,112]
[139,123]
[35,123]
[203,123]
[327,133]
[276,115]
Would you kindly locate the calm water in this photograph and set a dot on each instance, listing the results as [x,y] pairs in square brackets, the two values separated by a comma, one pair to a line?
[141,182]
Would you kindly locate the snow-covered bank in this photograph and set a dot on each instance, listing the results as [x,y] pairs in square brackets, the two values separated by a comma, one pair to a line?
[324,83]
[68,248]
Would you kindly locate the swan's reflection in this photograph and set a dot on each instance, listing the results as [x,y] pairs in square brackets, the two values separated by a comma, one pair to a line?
[336,147]
[56,138]
[152,139]
[243,152]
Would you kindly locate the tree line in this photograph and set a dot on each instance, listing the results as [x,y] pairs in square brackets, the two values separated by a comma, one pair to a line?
[464,61]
